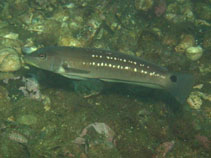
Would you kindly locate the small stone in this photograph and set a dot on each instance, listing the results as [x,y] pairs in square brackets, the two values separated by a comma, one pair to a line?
[12,36]
[194,100]
[207,97]
[199,86]
[194,53]
[17,137]
[144,5]
[11,119]
[27,119]
[47,107]
[187,41]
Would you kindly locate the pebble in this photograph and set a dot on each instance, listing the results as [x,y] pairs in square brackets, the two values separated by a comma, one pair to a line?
[17,137]
[194,53]
[195,101]
[27,119]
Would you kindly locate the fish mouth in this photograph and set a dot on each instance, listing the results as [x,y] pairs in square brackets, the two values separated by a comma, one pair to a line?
[30,61]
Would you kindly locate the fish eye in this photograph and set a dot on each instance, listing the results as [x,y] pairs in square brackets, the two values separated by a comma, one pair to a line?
[173,78]
[42,56]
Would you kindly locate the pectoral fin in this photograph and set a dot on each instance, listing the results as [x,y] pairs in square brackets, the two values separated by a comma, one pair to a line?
[67,68]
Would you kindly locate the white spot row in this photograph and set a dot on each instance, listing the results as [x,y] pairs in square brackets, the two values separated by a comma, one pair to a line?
[115,58]
[124,67]
[96,56]
[106,65]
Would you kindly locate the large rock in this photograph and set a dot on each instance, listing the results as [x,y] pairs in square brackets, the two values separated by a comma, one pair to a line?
[9,60]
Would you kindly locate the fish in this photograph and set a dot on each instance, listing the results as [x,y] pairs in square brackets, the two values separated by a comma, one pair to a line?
[111,66]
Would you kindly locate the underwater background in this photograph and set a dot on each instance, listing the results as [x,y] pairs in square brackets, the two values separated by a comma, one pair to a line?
[44,115]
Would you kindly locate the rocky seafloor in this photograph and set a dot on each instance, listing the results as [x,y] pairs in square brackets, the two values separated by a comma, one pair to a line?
[46,115]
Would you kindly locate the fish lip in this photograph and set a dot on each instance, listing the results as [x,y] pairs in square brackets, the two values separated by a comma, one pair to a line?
[27,60]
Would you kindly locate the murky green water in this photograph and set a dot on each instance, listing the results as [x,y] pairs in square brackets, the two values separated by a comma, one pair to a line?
[46,115]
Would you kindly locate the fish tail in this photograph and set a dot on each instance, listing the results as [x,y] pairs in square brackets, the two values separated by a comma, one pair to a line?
[180,86]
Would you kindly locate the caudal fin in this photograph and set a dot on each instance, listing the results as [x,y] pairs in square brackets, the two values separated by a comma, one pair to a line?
[180,86]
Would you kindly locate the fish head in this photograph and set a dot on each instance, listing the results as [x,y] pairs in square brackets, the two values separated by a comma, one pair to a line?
[42,59]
